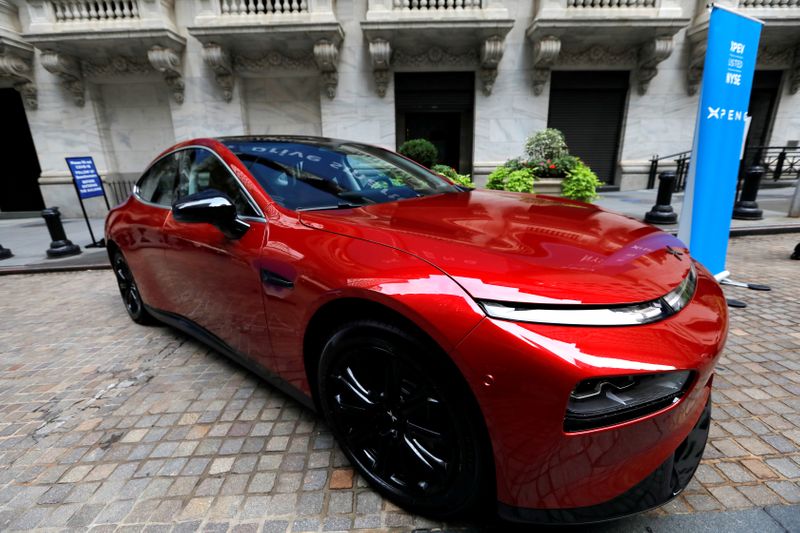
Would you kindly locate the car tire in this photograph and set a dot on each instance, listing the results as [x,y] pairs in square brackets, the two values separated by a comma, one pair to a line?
[129,291]
[397,409]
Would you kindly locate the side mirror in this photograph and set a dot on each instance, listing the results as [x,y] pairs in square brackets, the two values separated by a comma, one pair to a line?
[210,207]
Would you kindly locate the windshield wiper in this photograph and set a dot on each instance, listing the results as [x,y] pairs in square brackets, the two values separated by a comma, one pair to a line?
[340,205]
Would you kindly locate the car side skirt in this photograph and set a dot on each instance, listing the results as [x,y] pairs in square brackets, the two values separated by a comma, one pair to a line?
[206,337]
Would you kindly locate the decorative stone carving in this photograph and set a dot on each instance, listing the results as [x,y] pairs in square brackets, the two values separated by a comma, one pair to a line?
[68,69]
[600,55]
[545,53]
[117,65]
[491,54]
[436,56]
[20,71]
[380,52]
[326,55]
[273,60]
[220,62]
[650,55]
[694,72]
[774,57]
[168,63]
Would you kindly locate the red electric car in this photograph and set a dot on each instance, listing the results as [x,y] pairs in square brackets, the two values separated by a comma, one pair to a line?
[461,345]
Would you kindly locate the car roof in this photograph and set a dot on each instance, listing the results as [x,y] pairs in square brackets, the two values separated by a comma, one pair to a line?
[308,139]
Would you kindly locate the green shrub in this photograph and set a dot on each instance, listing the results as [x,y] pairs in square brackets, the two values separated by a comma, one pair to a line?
[460,179]
[580,184]
[548,144]
[420,150]
[508,179]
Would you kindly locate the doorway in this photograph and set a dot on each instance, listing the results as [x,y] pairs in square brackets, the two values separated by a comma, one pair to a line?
[437,106]
[589,108]
[763,100]
[19,180]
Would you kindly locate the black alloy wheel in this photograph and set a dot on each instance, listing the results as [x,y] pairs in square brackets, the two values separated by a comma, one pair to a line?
[401,417]
[130,291]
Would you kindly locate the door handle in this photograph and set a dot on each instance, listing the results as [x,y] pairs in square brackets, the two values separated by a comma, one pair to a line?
[271,278]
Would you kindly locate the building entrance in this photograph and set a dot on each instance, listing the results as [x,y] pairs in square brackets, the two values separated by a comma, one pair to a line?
[589,108]
[437,106]
[19,186]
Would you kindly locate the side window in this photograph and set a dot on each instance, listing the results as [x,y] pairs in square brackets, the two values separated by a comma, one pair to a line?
[200,170]
[158,184]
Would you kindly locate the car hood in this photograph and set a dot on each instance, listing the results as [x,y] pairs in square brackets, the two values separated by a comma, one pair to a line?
[521,247]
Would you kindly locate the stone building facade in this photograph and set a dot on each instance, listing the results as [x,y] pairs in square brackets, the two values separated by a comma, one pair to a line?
[121,80]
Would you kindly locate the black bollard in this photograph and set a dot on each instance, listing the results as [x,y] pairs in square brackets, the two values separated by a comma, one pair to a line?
[747,208]
[5,253]
[662,212]
[61,246]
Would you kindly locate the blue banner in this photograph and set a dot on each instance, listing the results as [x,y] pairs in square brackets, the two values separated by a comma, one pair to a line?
[87,180]
[719,133]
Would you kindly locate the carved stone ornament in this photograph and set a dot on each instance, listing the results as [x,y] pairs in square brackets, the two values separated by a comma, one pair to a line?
[650,55]
[380,52]
[68,69]
[220,62]
[545,53]
[118,65]
[436,56]
[774,57]
[694,72]
[168,63]
[326,55]
[273,60]
[20,72]
[491,54]
[600,55]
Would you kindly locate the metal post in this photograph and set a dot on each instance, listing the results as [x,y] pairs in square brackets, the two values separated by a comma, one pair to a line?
[794,207]
[779,165]
[651,176]
[662,212]
[747,208]
[60,245]
[5,253]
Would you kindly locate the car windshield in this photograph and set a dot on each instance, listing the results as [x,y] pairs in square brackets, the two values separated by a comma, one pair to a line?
[316,175]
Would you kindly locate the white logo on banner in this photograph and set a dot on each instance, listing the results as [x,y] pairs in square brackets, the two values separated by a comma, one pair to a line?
[720,113]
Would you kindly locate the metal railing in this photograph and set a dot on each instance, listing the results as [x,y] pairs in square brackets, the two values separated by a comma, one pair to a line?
[263,7]
[755,4]
[681,160]
[436,5]
[599,4]
[86,10]
[780,162]
[118,191]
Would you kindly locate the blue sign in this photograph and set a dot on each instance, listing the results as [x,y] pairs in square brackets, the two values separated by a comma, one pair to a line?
[719,134]
[87,180]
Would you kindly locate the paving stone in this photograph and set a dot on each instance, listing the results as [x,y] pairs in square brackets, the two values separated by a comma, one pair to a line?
[787,490]
[760,494]
[185,440]
[262,482]
[342,478]
[85,515]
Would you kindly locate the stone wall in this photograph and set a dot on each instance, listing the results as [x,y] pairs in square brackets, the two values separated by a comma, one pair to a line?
[127,118]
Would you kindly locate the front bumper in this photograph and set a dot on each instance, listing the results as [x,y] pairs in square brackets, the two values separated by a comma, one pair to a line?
[522,375]
[663,484]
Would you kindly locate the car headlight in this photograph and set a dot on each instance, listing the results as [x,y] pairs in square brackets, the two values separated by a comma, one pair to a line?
[599,402]
[597,315]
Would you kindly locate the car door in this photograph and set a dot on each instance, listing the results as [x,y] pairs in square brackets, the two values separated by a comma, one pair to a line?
[215,280]
[142,239]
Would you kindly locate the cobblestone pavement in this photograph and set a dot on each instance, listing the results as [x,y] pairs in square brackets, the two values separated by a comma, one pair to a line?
[107,425]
